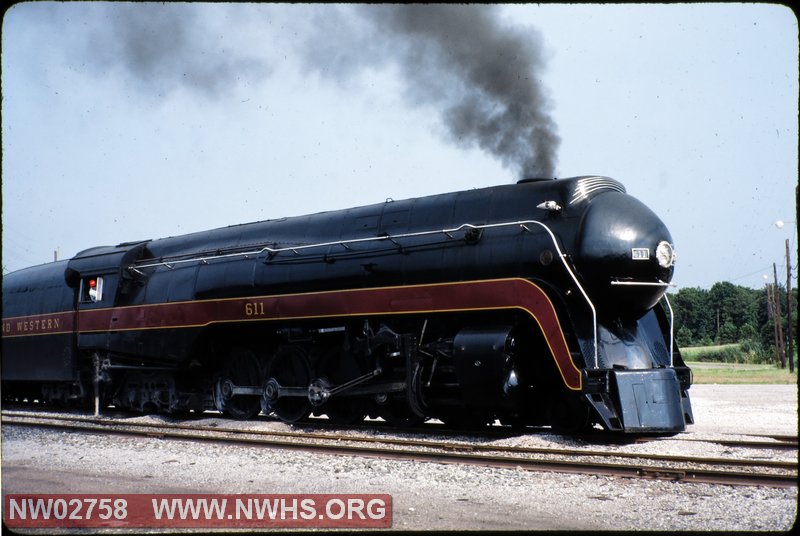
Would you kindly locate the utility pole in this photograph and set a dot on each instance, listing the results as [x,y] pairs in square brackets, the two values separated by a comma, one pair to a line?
[790,353]
[778,319]
[771,314]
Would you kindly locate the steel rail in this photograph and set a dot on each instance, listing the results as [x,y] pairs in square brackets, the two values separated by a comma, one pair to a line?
[445,455]
[444,445]
[779,441]
[595,436]
[787,445]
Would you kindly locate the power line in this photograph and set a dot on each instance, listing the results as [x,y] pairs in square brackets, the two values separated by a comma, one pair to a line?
[760,270]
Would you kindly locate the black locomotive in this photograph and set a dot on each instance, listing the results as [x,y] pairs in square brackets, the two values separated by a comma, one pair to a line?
[537,303]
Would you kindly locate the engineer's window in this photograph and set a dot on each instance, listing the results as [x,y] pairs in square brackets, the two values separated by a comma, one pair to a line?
[92,289]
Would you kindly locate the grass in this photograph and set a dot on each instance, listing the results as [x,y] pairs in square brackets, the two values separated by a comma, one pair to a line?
[705,372]
[729,363]
[690,353]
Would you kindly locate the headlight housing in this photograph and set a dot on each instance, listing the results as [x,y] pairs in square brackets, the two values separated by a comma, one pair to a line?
[665,254]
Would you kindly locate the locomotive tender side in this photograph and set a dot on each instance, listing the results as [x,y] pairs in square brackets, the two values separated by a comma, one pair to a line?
[533,303]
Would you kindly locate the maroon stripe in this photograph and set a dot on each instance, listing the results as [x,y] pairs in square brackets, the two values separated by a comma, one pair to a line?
[46,324]
[475,295]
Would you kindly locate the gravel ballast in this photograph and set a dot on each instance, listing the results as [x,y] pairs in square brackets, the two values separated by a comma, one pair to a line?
[430,496]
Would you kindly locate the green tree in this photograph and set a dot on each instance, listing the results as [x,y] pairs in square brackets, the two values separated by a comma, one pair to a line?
[691,312]
[727,313]
[732,304]
[684,336]
[748,332]
[727,333]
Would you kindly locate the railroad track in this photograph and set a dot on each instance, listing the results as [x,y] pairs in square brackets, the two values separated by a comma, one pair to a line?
[758,441]
[596,437]
[731,471]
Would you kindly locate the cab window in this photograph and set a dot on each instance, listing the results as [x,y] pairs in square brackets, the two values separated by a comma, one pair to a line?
[91,289]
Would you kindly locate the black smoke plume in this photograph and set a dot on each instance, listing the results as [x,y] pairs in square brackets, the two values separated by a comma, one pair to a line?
[164,47]
[482,76]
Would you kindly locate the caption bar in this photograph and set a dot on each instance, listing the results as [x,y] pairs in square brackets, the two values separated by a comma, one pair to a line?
[197,511]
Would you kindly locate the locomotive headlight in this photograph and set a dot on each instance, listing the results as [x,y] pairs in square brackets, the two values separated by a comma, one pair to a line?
[665,254]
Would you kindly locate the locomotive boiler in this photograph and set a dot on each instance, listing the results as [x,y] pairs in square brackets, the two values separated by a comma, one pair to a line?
[536,303]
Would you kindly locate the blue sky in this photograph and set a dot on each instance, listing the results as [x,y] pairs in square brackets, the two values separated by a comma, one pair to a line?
[125,122]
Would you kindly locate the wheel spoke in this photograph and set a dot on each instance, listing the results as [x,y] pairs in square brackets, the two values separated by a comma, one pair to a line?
[290,367]
[240,369]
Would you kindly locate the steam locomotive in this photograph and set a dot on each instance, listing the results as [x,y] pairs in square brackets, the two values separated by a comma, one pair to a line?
[538,303]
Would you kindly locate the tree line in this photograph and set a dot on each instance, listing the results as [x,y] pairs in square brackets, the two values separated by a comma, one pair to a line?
[728,313]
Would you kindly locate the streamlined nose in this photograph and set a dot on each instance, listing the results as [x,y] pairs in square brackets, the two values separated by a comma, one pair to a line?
[624,254]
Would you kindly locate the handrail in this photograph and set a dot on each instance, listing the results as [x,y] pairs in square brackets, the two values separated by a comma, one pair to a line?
[563,258]
[345,244]
[643,284]
[671,328]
